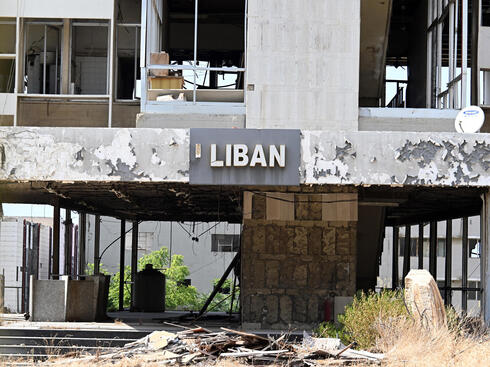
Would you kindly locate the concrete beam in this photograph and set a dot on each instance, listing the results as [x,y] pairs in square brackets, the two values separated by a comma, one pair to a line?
[162,155]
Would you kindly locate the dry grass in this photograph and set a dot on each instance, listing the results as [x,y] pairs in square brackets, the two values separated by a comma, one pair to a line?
[408,344]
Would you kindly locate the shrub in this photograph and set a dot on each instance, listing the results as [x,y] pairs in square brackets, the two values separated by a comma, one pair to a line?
[330,330]
[368,310]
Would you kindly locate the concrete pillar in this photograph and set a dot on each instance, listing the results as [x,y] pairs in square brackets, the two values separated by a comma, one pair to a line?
[433,250]
[420,246]
[449,260]
[406,253]
[65,57]
[298,257]
[464,266]
[485,257]
[56,241]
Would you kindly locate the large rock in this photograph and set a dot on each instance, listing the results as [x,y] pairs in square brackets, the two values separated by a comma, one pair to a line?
[424,300]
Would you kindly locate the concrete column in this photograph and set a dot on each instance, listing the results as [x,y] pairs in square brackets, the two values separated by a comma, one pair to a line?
[65,57]
[485,257]
[122,250]
[298,257]
[97,246]
[420,246]
[68,244]
[56,241]
[134,259]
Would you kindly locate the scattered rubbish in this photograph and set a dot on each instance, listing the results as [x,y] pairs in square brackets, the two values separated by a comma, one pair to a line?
[195,345]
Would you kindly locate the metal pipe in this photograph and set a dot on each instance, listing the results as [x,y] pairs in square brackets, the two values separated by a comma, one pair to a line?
[111,72]
[420,244]
[451,52]
[433,250]
[122,250]
[464,266]
[406,253]
[44,57]
[135,60]
[439,54]
[56,241]
[82,242]
[68,244]
[464,51]
[449,259]
[17,61]
[134,261]
[394,265]
[195,50]
[97,245]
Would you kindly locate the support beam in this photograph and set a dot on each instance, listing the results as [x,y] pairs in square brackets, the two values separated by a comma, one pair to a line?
[464,266]
[406,253]
[394,265]
[97,245]
[134,259]
[420,246]
[68,244]
[121,264]
[433,250]
[56,241]
[82,242]
[449,259]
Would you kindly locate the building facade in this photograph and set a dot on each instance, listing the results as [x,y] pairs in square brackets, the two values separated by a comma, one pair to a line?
[271,114]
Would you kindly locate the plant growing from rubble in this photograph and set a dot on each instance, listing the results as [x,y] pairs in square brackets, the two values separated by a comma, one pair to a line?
[367,311]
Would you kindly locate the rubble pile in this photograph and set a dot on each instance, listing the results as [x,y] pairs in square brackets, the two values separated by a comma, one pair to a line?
[199,345]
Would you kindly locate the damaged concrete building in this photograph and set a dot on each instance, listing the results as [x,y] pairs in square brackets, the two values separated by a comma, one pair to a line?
[273,114]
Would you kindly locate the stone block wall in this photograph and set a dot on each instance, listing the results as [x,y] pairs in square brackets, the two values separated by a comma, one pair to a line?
[297,250]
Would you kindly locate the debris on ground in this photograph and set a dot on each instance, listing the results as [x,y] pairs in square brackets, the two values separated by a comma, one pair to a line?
[199,345]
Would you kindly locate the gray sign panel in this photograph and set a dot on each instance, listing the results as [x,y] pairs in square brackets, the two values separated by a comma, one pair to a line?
[244,157]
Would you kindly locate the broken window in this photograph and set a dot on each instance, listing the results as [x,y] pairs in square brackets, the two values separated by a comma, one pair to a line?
[89,58]
[202,57]
[145,241]
[42,52]
[474,248]
[7,55]
[225,242]
[128,34]
[474,295]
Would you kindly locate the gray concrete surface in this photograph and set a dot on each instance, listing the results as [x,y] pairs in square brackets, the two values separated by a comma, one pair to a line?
[407,119]
[47,299]
[189,120]
[303,64]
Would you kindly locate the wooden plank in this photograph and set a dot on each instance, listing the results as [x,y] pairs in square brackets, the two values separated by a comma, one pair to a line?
[279,206]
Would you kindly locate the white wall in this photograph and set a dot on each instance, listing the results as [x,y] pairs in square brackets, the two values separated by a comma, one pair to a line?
[11,261]
[303,63]
[7,104]
[203,264]
[97,9]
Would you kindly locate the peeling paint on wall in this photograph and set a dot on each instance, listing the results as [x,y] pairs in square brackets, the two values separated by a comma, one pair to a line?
[162,155]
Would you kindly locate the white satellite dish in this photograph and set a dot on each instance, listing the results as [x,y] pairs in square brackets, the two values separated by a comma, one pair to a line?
[469,120]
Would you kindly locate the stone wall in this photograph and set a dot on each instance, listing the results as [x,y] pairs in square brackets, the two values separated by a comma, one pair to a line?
[297,250]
